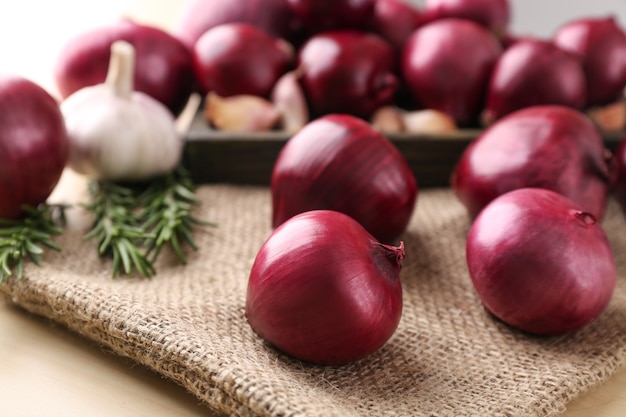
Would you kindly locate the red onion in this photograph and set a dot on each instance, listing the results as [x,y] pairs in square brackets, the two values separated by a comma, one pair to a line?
[339,162]
[620,174]
[601,44]
[347,71]
[446,65]
[323,290]
[534,72]
[238,58]
[198,16]
[164,68]
[395,20]
[493,14]
[539,262]
[552,147]
[34,147]
[317,16]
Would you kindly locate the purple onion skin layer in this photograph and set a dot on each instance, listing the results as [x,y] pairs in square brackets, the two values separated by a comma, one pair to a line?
[164,68]
[601,45]
[34,147]
[552,147]
[534,72]
[339,162]
[323,290]
[493,14]
[446,65]
[540,263]
[347,71]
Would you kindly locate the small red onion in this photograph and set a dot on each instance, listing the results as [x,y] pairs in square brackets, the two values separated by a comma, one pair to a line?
[238,58]
[552,147]
[339,162]
[493,14]
[446,65]
[323,290]
[318,16]
[395,20]
[164,67]
[539,262]
[34,147]
[534,72]
[601,44]
[347,71]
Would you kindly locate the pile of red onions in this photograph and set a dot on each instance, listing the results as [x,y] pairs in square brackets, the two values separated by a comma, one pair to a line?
[539,262]
[339,162]
[323,290]
[34,146]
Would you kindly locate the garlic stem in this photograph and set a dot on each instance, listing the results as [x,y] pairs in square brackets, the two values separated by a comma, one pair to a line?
[121,69]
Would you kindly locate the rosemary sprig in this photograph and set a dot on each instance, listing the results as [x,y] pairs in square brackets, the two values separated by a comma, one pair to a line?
[26,238]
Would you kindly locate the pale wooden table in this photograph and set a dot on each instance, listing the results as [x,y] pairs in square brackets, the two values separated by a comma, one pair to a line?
[48,371]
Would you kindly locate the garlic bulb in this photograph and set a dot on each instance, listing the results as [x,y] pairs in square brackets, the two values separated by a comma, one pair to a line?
[117,133]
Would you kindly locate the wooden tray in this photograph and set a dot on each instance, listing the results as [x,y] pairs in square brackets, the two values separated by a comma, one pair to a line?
[243,158]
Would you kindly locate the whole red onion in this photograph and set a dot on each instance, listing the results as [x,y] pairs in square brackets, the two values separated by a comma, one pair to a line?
[34,147]
[197,16]
[534,72]
[539,262]
[238,58]
[339,162]
[347,71]
[601,44]
[163,64]
[446,65]
[317,16]
[323,290]
[552,147]
[395,20]
[493,14]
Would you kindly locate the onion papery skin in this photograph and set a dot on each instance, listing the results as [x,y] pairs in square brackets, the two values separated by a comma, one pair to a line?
[339,162]
[601,44]
[347,71]
[323,290]
[238,58]
[164,67]
[197,16]
[551,147]
[540,263]
[34,147]
[534,72]
[446,65]
[316,16]
[395,21]
[492,14]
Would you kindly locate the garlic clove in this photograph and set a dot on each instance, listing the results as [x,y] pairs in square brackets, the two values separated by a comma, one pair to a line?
[428,121]
[610,118]
[388,119]
[288,97]
[240,113]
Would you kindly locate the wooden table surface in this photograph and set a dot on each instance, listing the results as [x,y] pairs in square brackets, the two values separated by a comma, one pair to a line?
[49,371]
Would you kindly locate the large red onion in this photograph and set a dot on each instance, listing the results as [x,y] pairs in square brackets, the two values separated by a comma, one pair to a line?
[539,262]
[601,44]
[164,68]
[197,16]
[534,72]
[339,162]
[446,65]
[493,14]
[552,147]
[238,58]
[395,20]
[323,290]
[316,16]
[34,147]
[347,71]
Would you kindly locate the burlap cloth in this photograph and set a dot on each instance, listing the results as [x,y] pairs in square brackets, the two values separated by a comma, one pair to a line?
[447,358]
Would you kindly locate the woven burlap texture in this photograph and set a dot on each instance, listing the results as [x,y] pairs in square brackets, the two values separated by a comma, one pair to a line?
[447,358]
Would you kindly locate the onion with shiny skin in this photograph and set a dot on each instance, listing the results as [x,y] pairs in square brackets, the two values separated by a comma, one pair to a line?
[552,147]
[323,290]
[493,14]
[446,66]
[339,162]
[540,263]
[534,72]
[238,58]
[601,44]
[164,68]
[34,147]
